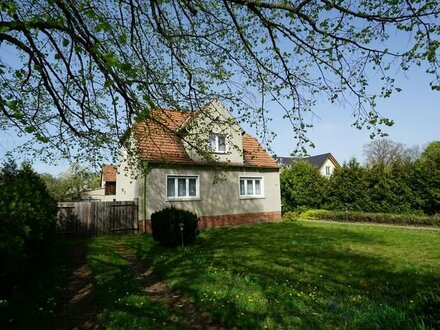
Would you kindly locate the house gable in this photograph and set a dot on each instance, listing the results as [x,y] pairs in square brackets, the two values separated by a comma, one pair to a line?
[178,137]
[214,120]
[325,163]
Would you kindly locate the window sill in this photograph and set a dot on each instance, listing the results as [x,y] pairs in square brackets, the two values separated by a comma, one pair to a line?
[252,197]
[182,199]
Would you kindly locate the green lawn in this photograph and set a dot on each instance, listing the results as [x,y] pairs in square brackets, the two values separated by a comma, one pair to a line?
[277,276]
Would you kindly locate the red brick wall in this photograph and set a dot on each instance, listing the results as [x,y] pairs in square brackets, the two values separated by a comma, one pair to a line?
[226,220]
[237,219]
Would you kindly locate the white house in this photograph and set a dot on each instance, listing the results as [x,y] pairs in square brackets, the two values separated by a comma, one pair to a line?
[199,161]
[325,163]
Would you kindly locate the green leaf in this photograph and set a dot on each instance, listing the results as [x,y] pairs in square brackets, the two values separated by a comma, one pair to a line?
[108,83]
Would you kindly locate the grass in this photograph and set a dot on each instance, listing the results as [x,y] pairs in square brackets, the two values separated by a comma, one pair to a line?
[34,304]
[308,275]
[277,276]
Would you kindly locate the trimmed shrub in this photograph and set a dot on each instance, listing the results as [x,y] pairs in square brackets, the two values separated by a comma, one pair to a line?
[166,229]
[291,216]
[386,218]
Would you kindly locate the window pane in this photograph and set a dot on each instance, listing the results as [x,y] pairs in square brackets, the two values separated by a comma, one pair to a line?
[257,187]
[242,192]
[249,187]
[212,142]
[192,187]
[170,187]
[181,187]
[221,143]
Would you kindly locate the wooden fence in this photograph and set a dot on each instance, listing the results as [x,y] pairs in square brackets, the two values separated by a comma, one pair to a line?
[97,218]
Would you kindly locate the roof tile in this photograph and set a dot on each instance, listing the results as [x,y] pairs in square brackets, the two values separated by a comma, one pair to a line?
[254,154]
[109,173]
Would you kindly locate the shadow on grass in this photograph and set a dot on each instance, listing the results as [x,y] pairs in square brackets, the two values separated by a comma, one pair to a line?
[124,304]
[294,275]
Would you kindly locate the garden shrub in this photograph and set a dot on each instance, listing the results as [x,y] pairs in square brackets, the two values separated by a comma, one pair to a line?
[386,218]
[166,230]
[27,221]
[291,216]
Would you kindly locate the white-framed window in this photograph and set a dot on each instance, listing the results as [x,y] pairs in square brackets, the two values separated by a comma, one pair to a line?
[328,170]
[182,186]
[251,187]
[217,143]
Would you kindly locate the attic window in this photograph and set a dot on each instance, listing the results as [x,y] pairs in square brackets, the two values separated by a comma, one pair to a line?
[217,143]
[110,188]
[328,170]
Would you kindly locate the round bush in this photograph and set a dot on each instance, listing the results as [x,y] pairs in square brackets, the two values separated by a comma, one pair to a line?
[166,229]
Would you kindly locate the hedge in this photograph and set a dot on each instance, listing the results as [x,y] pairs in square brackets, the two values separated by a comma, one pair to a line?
[386,218]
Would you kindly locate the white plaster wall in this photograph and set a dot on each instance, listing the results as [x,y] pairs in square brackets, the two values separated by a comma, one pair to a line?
[327,163]
[219,191]
[127,179]
[205,123]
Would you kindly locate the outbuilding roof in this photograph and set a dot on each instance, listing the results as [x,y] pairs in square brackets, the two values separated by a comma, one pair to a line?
[108,173]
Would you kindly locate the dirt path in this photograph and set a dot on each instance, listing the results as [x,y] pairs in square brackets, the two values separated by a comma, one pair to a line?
[158,290]
[78,308]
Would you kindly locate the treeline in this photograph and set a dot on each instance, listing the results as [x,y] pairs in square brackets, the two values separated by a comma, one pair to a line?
[393,180]
[71,184]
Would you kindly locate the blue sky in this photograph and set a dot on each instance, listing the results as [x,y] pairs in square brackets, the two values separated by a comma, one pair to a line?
[415,111]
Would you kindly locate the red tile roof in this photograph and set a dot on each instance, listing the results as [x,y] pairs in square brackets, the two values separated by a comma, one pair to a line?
[157,141]
[254,154]
[156,137]
[109,173]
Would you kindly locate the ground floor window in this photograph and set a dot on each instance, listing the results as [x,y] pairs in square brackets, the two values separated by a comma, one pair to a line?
[251,187]
[182,186]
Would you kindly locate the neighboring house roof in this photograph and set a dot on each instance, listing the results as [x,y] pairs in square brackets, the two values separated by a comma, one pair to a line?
[317,161]
[286,161]
[108,173]
[157,141]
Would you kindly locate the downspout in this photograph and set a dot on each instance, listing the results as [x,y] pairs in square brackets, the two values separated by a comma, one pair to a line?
[144,194]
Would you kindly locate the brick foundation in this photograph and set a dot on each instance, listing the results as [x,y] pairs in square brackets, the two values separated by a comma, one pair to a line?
[225,220]
[237,219]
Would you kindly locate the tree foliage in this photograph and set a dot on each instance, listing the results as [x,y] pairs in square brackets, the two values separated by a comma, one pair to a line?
[427,180]
[27,219]
[302,185]
[71,184]
[85,70]
[398,185]
[387,152]
[347,188]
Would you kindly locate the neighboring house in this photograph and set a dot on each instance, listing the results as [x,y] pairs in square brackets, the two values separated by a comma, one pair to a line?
[107,191]
[325,163]
[199,161]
